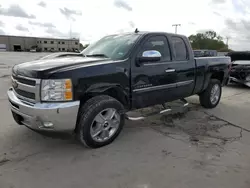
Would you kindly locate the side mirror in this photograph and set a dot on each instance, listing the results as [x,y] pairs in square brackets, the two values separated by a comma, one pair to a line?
[149,56]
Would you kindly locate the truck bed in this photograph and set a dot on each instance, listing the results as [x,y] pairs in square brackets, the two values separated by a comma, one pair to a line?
[205,66]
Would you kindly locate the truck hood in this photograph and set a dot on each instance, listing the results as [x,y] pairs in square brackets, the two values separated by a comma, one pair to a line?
[239,56]
[60,54]
[36,69]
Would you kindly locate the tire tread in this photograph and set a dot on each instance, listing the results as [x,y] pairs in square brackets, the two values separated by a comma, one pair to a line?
[85,112]
[205,95]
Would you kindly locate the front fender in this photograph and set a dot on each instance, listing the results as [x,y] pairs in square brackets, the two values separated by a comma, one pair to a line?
[114,90]
[101,87]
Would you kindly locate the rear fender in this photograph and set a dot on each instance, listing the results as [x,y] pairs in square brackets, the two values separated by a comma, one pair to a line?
[219,75]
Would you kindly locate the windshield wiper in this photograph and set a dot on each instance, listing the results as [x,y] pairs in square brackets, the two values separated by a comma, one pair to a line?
[97,55]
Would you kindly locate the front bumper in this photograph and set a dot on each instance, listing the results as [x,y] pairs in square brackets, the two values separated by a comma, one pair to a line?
[44,116]
[247,83]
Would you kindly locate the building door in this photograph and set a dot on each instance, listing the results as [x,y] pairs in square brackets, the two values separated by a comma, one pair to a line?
[17,47]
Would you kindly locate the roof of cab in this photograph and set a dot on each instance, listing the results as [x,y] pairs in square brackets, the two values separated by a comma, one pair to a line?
[152,32]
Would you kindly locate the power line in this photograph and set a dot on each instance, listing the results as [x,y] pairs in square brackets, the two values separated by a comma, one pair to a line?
[176,26]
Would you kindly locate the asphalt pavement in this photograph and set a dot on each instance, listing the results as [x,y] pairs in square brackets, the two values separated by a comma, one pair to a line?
[191,149]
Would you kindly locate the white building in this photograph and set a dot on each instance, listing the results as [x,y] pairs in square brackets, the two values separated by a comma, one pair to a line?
[20,43]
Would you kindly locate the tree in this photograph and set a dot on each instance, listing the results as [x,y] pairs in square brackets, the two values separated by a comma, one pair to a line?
[208,40]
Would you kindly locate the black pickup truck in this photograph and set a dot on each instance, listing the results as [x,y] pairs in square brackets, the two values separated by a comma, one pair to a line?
[90,93]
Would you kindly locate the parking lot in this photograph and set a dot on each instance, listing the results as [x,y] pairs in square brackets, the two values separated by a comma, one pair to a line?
[195,148]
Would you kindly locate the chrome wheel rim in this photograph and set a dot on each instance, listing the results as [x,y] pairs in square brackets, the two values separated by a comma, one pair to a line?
[215,94]
[105,125]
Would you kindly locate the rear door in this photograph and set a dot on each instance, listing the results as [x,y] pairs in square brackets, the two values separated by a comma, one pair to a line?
[183,64]
[153,82]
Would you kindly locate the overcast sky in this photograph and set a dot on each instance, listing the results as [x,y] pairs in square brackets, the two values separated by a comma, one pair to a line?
[91,19]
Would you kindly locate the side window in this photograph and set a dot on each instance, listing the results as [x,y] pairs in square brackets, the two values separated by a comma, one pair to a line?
[180,49]
[158,43]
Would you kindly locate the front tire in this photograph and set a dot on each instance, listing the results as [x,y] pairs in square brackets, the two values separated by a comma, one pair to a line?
[100,121]
[210,98]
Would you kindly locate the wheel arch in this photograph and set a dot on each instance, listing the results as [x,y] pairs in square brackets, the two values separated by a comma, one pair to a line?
[219,75]
[114,91]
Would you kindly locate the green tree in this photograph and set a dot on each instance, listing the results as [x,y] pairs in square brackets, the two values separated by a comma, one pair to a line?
[208,40]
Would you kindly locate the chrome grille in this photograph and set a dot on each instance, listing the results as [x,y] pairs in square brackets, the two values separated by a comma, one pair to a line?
[26,89]
[26,94]
[25,80]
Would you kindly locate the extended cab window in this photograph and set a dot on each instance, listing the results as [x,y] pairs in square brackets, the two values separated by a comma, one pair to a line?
[158,43]
[180,49]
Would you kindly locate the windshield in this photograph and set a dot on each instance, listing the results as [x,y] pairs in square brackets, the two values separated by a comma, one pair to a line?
[115,47]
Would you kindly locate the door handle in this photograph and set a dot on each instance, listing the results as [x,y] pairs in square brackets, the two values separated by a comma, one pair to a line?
[170,70]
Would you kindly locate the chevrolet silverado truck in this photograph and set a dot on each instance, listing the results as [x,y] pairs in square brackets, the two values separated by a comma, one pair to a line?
[91,93]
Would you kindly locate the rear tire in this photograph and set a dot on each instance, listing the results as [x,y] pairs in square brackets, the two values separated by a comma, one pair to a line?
[90,119]
[210,98]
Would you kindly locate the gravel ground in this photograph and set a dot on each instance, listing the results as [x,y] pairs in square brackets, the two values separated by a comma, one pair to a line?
[192,148]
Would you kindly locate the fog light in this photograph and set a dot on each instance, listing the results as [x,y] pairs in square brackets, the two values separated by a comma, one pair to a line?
[48,124]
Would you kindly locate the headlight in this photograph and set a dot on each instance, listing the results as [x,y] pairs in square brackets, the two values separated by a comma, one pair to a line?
[56,90]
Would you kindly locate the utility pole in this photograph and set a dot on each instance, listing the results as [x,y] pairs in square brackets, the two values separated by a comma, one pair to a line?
[70,35]
[70,31]
[227,38]
[176,26]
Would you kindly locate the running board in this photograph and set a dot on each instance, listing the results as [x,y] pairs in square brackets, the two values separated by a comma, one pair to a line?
[165,110]
[148,115]
[185,102]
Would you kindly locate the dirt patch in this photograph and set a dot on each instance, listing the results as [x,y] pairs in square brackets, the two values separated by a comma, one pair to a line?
[4,76]
[191,125]
[4,160]
[199,128]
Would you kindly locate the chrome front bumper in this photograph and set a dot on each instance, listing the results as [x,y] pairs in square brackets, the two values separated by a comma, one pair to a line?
[44,116]
[247,83]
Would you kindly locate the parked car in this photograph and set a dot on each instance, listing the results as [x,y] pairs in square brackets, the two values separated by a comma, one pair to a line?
[91,94]
[33,50]
[240,71]
[210,53]
[198,53]
[205,53]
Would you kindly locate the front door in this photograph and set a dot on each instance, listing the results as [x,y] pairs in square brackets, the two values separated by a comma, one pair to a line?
[153,82]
